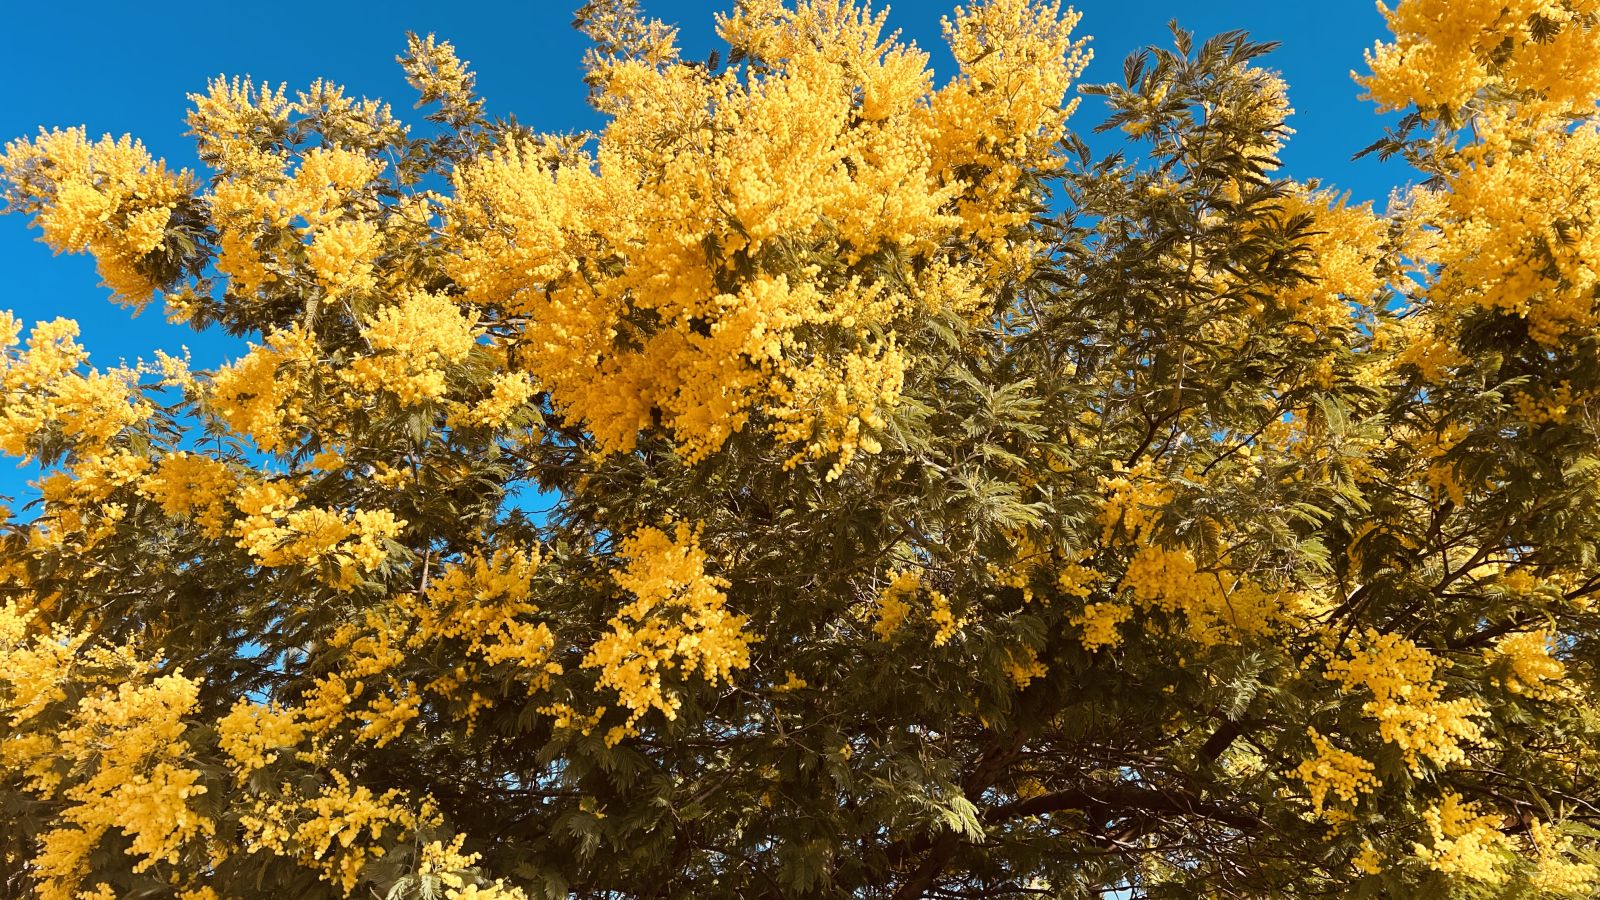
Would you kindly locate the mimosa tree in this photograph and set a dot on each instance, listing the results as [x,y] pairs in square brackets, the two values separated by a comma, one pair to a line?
[822,482]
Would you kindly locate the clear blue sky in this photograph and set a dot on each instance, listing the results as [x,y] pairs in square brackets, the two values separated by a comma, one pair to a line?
[126,67]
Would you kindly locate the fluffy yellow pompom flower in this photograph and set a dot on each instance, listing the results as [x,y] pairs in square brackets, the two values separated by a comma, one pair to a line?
[44,393]
[1099,623]
[116,760]
[1407,700]
[1339,772]
[414,344]
[106,197]
[893,603]
[261,394]
[1447,51]
[1464,842]
[678,619]
[702,188]
[1526,664]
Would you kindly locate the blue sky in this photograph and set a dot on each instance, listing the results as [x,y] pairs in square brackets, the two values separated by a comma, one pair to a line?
[120,67]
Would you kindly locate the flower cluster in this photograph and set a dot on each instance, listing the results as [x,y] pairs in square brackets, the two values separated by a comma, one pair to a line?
[261,394]
[706,191]
[456,872]
[1339,772]
[107,197]
[1534,188]
[253,734]
[1463,842]
[1526,665]
[121,762]
[484,602]
[1446,52]
[1345,246]
[192,485]
[894,602]
[414,343]
[1135,499]
[1099,622]
[276,532]
[324,830]
[43,391]
[1216,605]
[1555,872]
[678,619]
[1407,700]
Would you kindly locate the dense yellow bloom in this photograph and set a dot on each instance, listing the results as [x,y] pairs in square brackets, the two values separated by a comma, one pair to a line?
[1150,470]
[386,715]
[1215,605]
[1345,247]
[1017,61]
[831,411]
[508,394]
[42,391]
[229,117]
[893,602]
[1513,225]
[92,480]
[78,508]
[260,395]
[455,871]
[191,485]
[836,139]
[260,206]
[252,734]
[1464,842]
[1099,622]
[1369,861]
[1552,405]
[1519,227]
[238,259]
[1555,872]
[120,762]
[324,831]
[1077,580]
[341,254]
[1446,52]
[106,197]
[1024,666]
[1339,772]
[946,623]
[1135,499]
[1407,702]
[414,343]
[434,69]
[1527,666]
[484,601]
[277,533]
[678,619]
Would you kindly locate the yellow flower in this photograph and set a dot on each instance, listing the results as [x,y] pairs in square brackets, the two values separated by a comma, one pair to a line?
[1463,842]
[1407,702]
[107,197]
[1335,771]
[1526,665]
[1099,623]
[678,619]
[893,605]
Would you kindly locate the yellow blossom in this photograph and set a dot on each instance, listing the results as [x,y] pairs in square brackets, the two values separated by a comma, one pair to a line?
[1335,771]
[1463,841]
[678,619]
[1527,666]
[1407,701]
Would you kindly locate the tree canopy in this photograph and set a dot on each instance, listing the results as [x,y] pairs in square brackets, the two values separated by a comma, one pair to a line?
[821,482]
